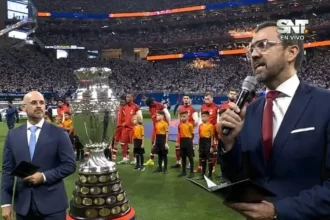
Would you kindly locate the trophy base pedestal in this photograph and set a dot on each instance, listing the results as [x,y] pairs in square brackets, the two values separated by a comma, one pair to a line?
[129,216]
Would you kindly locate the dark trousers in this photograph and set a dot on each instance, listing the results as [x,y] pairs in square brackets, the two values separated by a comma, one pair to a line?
[34,214]
[162,155]
[79,151]
[187,152]
[205,155]
[138,152]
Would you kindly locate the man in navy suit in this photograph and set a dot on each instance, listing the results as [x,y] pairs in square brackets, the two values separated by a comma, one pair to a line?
[11,115]
[280,141]
[41,196]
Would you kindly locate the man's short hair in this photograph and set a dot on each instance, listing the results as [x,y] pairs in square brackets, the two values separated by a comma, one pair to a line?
[161,112]
[207,113]
[149,101]
[208,94]
[286,42]
[231,90]
[184,113]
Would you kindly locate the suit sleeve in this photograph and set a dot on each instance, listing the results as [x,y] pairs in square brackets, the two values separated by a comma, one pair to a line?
[309,204]
[8,165]
[67,160]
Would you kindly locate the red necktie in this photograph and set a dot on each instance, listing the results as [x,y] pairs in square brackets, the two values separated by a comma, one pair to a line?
[267,124]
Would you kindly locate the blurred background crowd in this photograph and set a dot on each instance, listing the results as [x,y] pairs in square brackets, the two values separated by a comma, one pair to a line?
[24,67]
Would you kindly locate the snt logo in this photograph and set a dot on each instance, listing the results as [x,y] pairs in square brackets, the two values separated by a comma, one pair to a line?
[290,30]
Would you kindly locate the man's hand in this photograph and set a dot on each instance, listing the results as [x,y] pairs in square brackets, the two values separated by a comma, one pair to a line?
[256,211]
[166,146]
[232,118]
[142,146]
[35,179]
[8,213]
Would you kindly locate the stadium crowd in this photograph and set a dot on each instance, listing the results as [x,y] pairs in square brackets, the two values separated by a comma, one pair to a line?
[22,69]
[100,6]
[73,35]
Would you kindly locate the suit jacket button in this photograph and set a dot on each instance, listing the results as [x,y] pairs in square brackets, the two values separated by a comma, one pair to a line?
[266,180]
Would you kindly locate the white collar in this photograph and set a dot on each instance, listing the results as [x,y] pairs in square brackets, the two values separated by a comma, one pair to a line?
[289,86]
[39,125]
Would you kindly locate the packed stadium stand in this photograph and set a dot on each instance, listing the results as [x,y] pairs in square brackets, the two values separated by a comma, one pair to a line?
[33,67]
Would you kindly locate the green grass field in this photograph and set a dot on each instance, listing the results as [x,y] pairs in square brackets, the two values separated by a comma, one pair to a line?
[159,196]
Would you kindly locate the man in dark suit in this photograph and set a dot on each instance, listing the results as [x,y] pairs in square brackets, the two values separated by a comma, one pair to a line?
[280,141]
[41,196]
[11,115]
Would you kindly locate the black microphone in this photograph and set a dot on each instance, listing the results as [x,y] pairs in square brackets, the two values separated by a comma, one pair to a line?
[248,86]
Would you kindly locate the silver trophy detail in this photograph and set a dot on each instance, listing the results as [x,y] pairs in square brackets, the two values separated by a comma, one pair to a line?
[98,193]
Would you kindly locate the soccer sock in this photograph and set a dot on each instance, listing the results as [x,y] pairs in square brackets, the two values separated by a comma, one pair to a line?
[191,161]
[165,161]
[177,155]
[184,164]
[203,167]
[124,150]
[142,159]
[214,159]
[210,167]
[160,160]
[137,158]
[128,151]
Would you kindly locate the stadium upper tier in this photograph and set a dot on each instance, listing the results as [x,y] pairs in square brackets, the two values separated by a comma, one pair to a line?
[25,69]
[115,6]
[93,36]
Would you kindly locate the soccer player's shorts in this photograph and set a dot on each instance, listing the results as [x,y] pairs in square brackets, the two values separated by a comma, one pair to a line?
[118,134]
[204,148]
[126,136]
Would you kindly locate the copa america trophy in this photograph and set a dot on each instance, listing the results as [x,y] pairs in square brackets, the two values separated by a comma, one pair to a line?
[98,192]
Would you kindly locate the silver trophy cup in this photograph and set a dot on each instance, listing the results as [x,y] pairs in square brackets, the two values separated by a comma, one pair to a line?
[98,191]
[94,110]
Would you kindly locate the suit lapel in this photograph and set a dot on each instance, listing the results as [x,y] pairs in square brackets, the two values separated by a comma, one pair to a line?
[41,139]
[291,118]
[25,144]
[258,131]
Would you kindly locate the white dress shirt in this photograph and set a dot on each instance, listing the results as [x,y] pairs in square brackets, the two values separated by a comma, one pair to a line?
[29,125]
[281,104]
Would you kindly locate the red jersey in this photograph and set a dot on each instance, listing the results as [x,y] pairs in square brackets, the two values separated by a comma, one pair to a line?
[223,107]
[213,110]
[190,110]
[61,110]
[120,116]
[153,111]
[129,111]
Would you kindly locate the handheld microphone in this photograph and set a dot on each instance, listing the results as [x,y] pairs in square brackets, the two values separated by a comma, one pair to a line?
[248,86]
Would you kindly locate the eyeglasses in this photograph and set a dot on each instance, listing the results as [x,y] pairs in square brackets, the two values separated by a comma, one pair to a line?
[261,46]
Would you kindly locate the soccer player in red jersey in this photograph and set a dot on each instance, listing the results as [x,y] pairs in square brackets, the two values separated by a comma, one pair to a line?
[212,108]
[231,98]
[118,131]
[61,109]
[129,110]
[154,107]
[192,118]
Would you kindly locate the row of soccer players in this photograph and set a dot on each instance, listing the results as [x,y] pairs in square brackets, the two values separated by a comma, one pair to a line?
[125,134]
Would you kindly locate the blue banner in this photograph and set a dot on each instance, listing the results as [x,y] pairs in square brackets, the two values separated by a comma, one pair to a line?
[174,98]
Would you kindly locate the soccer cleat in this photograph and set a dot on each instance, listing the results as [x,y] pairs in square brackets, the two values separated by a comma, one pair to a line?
[133,162]
[158,170]
[136,167]
[149,163]
[182,174]
[123,161]
[198,170]
[191,175]
[176,166]
[210,177]
[142,168]
[200,177]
